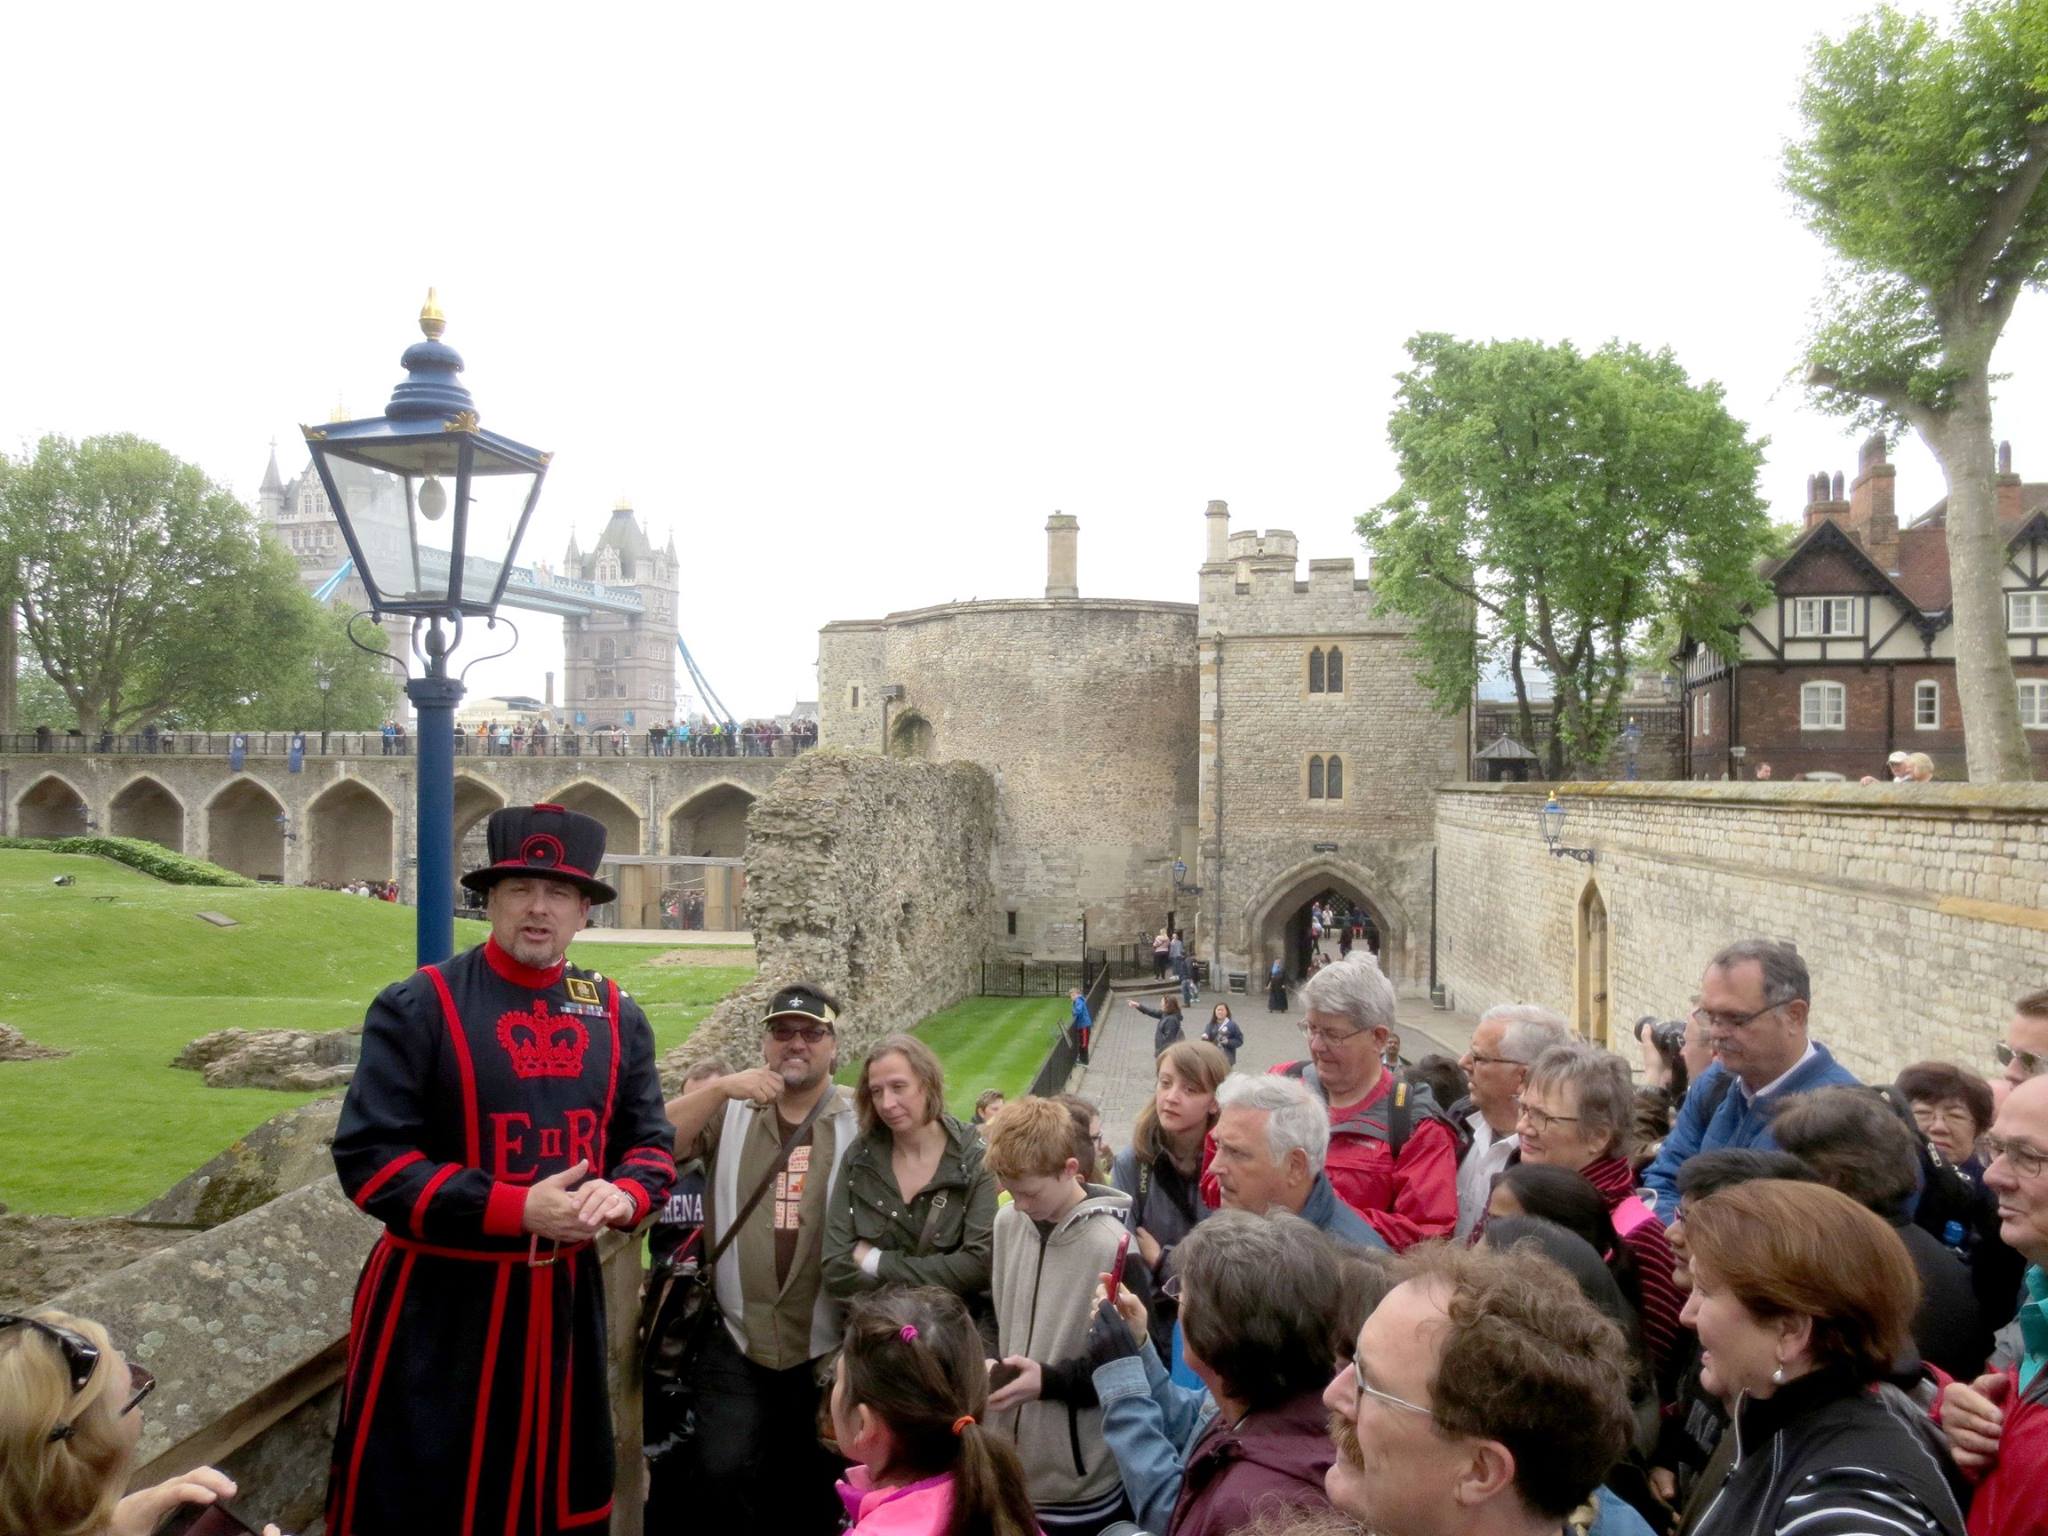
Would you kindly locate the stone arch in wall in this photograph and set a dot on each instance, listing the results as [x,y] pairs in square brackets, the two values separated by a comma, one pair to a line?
[474,801]
[146,808]
[51,807]
[911,735]
[621,821]
[712,823]
[1591,950]
[351,827]
[1276,920]
[244,831]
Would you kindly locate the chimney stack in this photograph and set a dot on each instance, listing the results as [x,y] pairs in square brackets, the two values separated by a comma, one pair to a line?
[1219,533]
[1824,499]
[2008,486]
[1873,514]
[1062,555]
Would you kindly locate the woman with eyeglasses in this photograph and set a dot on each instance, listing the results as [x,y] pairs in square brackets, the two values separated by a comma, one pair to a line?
[1803,1301]
[69,1424]
[1577,1111]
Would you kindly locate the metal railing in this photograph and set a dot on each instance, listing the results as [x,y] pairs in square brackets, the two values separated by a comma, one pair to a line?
[357,744]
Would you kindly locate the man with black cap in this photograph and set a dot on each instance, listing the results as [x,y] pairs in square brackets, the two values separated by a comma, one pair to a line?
[772,1139]
[505,1111]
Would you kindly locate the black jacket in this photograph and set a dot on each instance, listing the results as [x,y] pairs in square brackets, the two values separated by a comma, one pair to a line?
[1829,1456]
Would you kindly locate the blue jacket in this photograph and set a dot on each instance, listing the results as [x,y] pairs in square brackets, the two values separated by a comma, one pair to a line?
[1150,1424]
[1082,1018]
[1737,1121]
[1336,1220]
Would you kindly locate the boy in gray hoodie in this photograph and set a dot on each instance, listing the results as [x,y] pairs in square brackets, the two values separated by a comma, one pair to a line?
[1053,1242]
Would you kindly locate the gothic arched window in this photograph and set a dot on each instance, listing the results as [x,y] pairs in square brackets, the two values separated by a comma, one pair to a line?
[1334,780]
[1315,778]
[1334,670]
[1315,670]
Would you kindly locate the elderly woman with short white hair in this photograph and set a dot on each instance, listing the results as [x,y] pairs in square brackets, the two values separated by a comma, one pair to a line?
[1577,1110]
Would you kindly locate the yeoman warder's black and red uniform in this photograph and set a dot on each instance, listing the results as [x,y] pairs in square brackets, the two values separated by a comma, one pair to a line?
[475,1399]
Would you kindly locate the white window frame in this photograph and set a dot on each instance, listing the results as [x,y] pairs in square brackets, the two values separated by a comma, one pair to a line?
[1823,691]
[2034,703]
[2036,602]
[1824,618]
[1927,689]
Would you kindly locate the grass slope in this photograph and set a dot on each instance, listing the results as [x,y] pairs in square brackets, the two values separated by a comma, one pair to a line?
[118,970]
[992,1042]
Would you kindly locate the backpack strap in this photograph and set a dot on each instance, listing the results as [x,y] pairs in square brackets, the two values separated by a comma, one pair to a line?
[1400,1117]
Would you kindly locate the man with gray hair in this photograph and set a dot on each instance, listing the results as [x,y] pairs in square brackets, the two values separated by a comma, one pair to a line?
[1271,1139]
[1753,1003]
[1508,1038]
[1392,1157]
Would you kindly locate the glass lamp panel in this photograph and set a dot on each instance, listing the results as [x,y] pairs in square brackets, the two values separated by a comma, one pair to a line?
[1553,821]
[377,506]
[497,508]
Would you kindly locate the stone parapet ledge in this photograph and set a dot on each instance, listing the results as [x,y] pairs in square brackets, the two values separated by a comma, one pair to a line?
[1948,801]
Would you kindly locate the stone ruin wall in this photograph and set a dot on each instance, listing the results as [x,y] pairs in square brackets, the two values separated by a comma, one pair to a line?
[1921,910]
[870,877]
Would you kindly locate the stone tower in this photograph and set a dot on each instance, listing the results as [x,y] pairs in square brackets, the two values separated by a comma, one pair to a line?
[620,669]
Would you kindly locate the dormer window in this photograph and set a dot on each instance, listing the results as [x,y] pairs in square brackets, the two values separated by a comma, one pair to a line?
[1818,616]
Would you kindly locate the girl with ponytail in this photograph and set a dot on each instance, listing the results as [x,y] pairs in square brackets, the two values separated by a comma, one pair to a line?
[907,1408]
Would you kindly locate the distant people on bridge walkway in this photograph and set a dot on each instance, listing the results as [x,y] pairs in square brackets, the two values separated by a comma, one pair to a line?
[505,1111]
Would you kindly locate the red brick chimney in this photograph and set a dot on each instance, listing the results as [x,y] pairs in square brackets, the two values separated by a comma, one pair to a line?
[2008,486]
[1873,514]
[1824,500]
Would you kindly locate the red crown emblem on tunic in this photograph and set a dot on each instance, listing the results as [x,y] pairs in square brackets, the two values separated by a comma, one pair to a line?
[543,1044]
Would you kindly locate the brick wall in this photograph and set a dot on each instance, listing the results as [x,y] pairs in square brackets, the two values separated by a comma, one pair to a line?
[1922,911]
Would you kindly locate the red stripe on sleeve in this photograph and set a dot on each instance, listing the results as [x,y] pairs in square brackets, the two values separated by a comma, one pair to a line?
[446,1172]
[385,1175]
[505,1210]
[642,1201]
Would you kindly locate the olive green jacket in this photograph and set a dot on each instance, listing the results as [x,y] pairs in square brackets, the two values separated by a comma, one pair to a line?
[958,1206]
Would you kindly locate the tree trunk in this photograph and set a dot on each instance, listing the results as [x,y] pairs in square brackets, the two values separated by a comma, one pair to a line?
[10,665]
[1525,719]
[1996,745]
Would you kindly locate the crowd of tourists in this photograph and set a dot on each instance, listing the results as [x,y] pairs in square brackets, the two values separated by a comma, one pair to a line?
[1726,1289]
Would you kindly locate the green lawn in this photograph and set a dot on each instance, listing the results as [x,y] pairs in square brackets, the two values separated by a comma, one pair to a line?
[118,970]
[992,1042]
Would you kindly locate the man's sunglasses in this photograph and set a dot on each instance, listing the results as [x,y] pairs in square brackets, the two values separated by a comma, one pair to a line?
[810,1034]
[2030,1063]
[81,1359]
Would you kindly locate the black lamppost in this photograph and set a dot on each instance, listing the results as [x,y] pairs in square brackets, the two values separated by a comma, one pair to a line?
[391,480]
[323,678]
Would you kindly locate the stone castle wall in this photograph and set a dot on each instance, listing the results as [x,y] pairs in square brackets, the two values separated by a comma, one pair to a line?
[1922,911]
[1267,847]
[1084,713]
[870,877]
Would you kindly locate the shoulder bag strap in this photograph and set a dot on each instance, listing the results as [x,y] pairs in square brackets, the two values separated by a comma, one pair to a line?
[761,1189]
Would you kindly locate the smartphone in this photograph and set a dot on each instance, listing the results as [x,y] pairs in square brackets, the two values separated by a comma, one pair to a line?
[1116,1270]
[1001,1374]
[215,1519]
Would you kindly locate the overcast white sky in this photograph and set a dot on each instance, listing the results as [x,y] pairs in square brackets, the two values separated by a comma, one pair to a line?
[852,296]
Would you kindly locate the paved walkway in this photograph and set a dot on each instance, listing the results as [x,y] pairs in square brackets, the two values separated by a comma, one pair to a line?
[1119,1078]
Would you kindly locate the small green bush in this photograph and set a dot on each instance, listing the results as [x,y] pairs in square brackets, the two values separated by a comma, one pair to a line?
[150,858]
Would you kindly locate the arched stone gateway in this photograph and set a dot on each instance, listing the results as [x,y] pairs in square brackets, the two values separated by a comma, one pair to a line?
[245,830]
[911,735]
[621,821]
[474,802]
[147,809]
[351,830]
[51,807]
[712,823]
[1276,921]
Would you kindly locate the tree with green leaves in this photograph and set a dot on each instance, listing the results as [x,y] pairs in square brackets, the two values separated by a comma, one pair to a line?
[148,594]
[1921,165]
[1551,505]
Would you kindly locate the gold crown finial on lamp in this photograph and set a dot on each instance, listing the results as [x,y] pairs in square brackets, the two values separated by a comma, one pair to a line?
[340,411]
[432,321]
[623,504]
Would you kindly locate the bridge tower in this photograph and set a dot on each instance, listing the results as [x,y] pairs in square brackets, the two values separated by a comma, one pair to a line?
[620,669]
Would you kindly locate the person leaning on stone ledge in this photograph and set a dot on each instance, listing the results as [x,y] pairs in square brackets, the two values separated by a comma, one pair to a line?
[70,1419]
